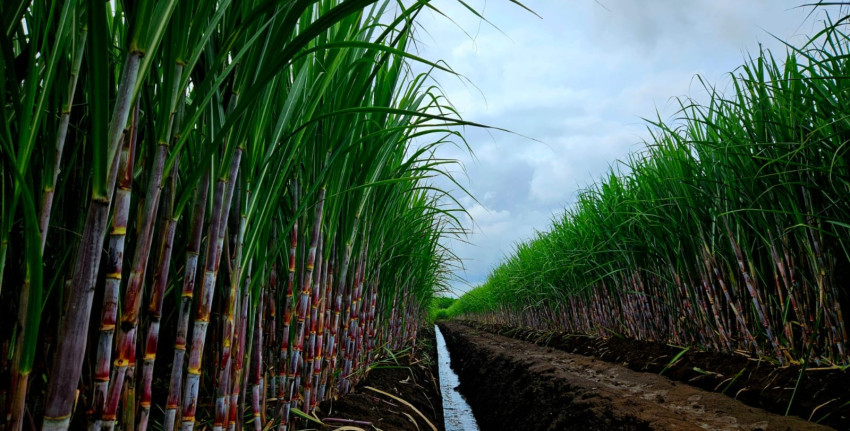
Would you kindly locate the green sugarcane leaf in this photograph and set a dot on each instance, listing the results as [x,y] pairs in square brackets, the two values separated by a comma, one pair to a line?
[98,95]
[303,415]
[33,278]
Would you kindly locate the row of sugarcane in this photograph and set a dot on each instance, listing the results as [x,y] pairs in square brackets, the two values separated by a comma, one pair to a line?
[730,232]
[256,174]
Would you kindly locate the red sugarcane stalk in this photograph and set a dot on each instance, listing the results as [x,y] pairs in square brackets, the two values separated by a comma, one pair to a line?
[221,206]
[222,392]
[798,304]
[155,309]
[284,394]
[352,326]
[332,335]
[318,353]
[70,350]
[361,328]
[114,265]
[270,323]
[257,367]
[370,318]
[712,268]
[835,334]
[239,383]
[756,297]
[191,265]
[134,289]
[272,307]
[313,325]
[337,310]
[709,293]
[239,358]
[303,303]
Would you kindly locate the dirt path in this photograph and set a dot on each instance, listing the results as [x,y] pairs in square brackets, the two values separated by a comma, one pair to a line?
[514,385]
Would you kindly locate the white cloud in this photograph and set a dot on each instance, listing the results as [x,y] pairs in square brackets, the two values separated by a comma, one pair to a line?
[578,81]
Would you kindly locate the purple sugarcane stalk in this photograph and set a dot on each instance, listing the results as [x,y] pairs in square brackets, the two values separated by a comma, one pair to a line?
[191,265]
[221,206]
[114,265]
[756,297]
[712,268]
[318,352]
[155,309]
[304,301]
[257,367]
[134,290]
[222,391]
[70,350]
[239,357]
[284,394]
[313,325]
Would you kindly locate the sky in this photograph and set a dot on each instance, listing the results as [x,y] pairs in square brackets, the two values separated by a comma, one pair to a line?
[573,85]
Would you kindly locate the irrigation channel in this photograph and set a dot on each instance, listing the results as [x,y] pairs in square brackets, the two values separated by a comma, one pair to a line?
[514,384]
[457,413]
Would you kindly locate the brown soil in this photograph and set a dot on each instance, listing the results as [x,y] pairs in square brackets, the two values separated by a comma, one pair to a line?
[821,396]
[512,385]
[410,376]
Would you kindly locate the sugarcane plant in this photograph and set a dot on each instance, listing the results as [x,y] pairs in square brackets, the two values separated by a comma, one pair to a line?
[729,232]
[257,174]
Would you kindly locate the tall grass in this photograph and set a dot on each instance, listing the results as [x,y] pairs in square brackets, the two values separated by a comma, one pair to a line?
[730,232]
[244,171]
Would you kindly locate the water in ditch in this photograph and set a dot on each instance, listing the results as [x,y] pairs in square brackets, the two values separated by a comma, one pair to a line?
[457,413]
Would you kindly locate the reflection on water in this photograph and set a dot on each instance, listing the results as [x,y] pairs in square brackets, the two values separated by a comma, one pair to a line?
[457,412]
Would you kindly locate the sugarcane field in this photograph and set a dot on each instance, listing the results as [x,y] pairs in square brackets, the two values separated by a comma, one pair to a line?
[424,215]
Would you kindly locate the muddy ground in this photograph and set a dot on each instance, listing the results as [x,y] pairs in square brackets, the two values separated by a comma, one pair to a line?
[531,380]
[411,376]
[538,387]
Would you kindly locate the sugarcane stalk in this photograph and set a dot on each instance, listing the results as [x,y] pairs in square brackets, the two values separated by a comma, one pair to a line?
[286,376]
[134,289]
[70,349]
[61,136]
[257,367]
[272,307]
[782,275]
[319,349]
[114,269]
[155,310]
[128,414]
[187,292]
[304,301]
[222,392]
[190,389]
[756,298]
[221,206]
[351,327]
[313,327]
[711,267]
[270,322]
[239,358]
[332,334]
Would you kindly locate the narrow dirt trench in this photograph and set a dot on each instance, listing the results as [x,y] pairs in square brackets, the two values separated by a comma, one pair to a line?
[516,385]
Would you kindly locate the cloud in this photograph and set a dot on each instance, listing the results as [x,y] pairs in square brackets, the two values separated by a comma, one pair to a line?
[577,82]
